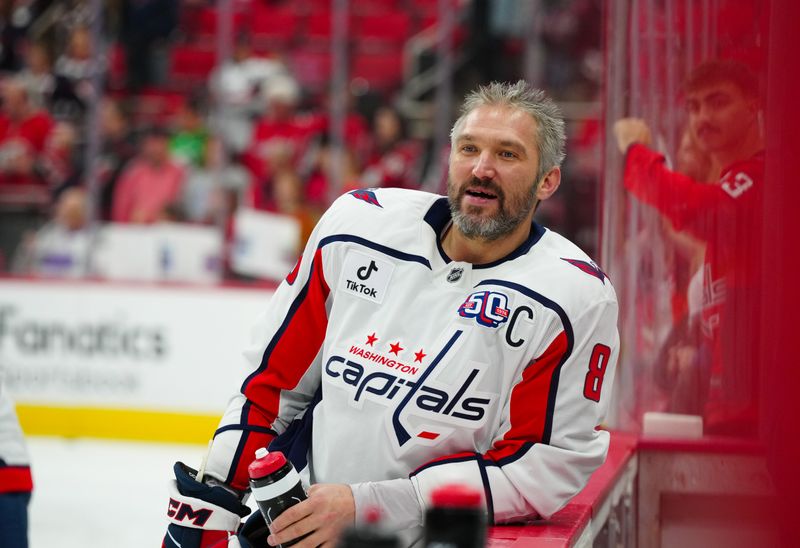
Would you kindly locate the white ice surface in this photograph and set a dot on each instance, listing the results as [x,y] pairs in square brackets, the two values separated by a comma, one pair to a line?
[101,493]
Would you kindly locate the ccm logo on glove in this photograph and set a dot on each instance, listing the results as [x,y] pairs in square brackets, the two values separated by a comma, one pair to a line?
[180,511]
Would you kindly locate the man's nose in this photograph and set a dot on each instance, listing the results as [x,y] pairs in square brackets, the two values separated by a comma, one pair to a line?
[484,167]
[703,113]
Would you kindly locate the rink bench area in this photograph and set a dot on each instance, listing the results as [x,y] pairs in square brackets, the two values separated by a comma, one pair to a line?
[601,514]
[710,491]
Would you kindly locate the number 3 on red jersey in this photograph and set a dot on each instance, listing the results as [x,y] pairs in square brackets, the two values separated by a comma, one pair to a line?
[597,369]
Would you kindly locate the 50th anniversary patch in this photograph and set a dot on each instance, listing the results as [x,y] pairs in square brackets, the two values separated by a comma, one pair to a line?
[366,276]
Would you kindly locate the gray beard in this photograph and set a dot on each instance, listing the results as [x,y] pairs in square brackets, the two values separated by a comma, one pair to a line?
[493,228]
[483,229]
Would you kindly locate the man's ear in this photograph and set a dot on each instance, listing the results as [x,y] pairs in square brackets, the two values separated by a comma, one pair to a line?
[549,184]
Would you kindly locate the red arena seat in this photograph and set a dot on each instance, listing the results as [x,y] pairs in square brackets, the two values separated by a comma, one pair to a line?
[208,21]
[190,66]
[273,29]
[383,71]
[389,30]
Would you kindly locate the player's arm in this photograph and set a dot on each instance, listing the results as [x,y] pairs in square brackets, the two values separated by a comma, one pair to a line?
[285,374]
[685,202]
[548,444]
[280,388]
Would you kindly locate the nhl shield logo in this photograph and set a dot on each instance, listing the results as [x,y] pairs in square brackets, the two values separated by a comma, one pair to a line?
[455,275]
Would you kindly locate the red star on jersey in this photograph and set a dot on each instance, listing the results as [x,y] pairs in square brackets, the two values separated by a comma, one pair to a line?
[395,348]
[371,339]
[419,355]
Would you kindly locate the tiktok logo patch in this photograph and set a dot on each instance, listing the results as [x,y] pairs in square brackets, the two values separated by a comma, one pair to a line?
[366,276]
[366,271]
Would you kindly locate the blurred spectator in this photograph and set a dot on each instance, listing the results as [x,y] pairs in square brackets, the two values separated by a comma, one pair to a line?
[681,368]
[58,19]
[190,138]
[280,159]
[37,76]
[24,131]
[357,134]
[151,182]
[242,87]
[15,18]
[573,44]
[206,192]
[144,24]
[394,160]
[117,149]
[723,107]
[289,200]
[61,247]
[79,13]
[281,136]
[75,70]
[693,162]
[60,163]
[24,196]
[318,184]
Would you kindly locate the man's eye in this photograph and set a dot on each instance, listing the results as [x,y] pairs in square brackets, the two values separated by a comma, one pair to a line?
[508,154]
[719,103]
[468,148]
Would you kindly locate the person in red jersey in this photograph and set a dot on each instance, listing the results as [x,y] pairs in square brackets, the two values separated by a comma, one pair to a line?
[723,108]
[394,158]
[24,131]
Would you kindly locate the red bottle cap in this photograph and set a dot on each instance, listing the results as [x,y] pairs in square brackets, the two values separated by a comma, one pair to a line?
[372,515]
[266,465]
[456,495]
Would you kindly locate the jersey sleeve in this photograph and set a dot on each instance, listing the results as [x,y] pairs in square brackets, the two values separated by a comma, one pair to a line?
[285,374]
[548,443]
[684,201]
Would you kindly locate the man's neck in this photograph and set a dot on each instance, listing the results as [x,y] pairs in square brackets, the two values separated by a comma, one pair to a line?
[479,251]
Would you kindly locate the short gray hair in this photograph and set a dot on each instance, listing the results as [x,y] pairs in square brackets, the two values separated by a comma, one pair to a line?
[550,134]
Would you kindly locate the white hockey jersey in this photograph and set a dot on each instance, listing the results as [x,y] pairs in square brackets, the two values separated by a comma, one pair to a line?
[15,471]
[380,358]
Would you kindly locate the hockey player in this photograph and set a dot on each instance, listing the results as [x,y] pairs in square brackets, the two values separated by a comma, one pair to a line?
[15,477]
[723,110]
[423,340]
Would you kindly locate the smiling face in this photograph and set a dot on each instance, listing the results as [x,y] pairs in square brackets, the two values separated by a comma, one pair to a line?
[491,187]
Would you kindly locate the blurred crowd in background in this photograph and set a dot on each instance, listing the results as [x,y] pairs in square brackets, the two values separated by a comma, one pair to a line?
[212,115]
[139,113]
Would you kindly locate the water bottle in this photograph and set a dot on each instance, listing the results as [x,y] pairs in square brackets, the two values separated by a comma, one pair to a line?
[455,519]
[275,485]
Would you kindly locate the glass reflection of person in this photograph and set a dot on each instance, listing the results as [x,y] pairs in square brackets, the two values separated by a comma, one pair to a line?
[722,102]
